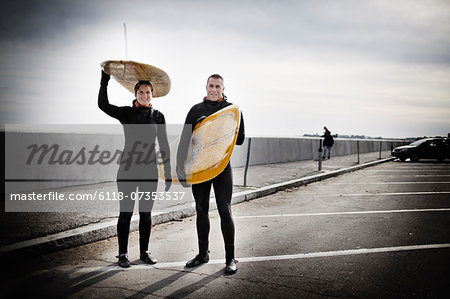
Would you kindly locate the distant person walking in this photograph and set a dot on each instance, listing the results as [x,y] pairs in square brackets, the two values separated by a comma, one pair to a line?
[328,142]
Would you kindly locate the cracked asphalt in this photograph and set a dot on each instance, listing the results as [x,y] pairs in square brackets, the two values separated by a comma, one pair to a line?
[382,232]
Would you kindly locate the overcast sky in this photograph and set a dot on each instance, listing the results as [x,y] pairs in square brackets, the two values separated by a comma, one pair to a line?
[374,68]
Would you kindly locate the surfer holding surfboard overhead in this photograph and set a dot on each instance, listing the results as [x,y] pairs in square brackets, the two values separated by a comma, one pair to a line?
[222,182]
[143,125]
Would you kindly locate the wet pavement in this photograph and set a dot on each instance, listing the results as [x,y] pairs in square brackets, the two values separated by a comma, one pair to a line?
[377,232]
[32,231]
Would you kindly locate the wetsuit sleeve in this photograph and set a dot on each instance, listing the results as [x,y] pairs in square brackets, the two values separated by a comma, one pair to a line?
[103,102]
[241,134]
[185,138]
[164,147]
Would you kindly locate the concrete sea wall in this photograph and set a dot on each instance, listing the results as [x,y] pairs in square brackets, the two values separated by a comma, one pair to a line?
[79,147]
[280,150]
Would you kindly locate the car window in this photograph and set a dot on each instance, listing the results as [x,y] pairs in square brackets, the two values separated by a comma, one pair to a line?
[418,142]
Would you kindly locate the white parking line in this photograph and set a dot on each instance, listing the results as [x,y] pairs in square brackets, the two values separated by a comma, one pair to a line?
[409,176]
[277,257]
[342,213]
[388,183]
[377,194]
[344,252]
[405,169]
[340,195]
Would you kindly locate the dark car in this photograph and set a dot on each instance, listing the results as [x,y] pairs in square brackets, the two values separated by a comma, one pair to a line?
[426,148]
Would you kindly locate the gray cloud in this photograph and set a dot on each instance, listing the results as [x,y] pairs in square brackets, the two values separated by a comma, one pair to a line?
[35,20]
[307,52]
[402,30]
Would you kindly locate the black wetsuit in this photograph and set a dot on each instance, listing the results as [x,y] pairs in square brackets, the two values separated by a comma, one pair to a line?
[137,171]
[222,184]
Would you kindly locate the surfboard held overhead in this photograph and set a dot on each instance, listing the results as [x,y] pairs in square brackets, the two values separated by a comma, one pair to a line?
[128,73]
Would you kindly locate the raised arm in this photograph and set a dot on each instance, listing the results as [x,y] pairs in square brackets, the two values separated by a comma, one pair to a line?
[103,102]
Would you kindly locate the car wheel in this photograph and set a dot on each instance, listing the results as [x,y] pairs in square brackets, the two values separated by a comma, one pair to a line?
[441,158]
[414,157]
[403,159]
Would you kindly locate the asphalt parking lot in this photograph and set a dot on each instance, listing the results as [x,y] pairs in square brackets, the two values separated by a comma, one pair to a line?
[383,231]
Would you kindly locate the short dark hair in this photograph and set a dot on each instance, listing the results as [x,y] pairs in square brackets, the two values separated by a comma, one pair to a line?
[140,83]
[214,76]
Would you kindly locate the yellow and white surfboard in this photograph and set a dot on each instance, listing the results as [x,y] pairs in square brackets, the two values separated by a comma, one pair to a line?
[211,146]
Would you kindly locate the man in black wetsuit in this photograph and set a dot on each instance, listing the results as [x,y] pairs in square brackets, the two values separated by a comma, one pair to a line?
[138,169]
[222,184]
